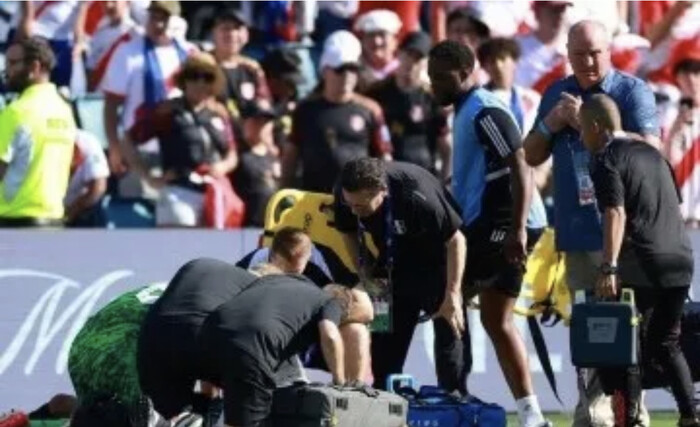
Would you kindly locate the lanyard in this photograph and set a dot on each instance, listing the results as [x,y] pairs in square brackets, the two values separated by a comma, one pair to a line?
[388,239]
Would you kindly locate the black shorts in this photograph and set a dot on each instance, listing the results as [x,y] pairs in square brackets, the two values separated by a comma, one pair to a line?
[165,369]
[248,391]
[487,266]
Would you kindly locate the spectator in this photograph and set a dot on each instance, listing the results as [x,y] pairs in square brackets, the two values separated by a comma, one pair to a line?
[499,58]
[259,171]
[196,142]
[543,51]
[282,69]
[88,180]
[62,23]
[407,11]
[637,195]
[665,24]
[139,76]
[245,80]
[411,218]
[556,133]
[492,185]
[37,135]
[465,26]
[115,28]
[682,143]
[378,30]
[504,18]
[418,126]
[334,15]
[336,124]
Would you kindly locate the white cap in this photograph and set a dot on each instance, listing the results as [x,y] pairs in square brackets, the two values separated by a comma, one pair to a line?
[378,20]
[341,48]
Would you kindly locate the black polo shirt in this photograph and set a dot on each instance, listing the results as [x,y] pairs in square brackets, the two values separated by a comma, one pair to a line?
[633,174]
[330,134]
[414,119]
[424,218]
[274,319]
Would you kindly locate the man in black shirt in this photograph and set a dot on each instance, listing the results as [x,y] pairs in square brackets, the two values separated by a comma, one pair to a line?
[336,124]
[418,126]
[637,194]
[167,359]
[247,338]
[411,219]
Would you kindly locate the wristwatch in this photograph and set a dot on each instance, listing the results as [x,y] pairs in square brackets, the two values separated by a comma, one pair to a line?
[608,269]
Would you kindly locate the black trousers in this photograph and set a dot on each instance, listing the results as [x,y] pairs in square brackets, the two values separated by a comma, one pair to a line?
[661,309]
[453,357]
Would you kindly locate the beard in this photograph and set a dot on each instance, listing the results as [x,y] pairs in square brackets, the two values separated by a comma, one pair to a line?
[17,84]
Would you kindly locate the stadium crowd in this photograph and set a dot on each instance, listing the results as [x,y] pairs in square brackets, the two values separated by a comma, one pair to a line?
[444,129]
[242,99]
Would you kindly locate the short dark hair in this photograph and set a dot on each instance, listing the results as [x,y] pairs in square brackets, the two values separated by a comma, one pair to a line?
[453,54]
[689,65]
[287,241]
[363,174]
[498,47]
[37,49]
[466,12]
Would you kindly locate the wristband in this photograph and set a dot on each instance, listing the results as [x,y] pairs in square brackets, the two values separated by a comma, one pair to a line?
[608,269]
[544,130]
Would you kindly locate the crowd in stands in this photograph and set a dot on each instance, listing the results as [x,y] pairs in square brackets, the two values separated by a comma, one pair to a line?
[200,111]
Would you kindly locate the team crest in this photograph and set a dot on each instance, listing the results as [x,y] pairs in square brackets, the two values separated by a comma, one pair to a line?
[417,114]
[400,227]
[357,123]
[247,90]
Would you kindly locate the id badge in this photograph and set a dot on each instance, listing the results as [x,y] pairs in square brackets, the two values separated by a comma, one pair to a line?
[379,291]
[586,191]
[584,183]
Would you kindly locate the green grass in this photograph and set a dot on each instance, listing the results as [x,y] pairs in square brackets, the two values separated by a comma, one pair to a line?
[658,419]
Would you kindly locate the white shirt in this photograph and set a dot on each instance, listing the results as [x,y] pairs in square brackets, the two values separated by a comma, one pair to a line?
[687,27]
[536,59]
[56,20]
[126,73]
[93,165]
[529,102]
[105,36]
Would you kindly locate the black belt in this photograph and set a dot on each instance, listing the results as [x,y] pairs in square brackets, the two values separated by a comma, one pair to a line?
[25,222]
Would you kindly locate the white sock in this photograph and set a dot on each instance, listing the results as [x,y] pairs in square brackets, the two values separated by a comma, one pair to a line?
[529,412]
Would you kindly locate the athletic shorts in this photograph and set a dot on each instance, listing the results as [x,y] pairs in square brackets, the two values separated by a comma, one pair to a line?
[487,266]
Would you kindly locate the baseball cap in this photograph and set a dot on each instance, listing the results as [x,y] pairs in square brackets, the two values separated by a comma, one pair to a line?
[261,109]
[418,42]
[285,63]
[378,20]
[169,7]
[341,48]
[227,13]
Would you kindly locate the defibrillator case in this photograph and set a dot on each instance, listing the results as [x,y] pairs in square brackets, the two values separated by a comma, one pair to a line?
[603,333]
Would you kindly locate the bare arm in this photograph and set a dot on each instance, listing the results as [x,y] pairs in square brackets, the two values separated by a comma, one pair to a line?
[456,256]
[111,121]
[444,145]
[333,350]
[613,233]
[521,184]
[660,30]
[80,40]
[95,189]
[26,20]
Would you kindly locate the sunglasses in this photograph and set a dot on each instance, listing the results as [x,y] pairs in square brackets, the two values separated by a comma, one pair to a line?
[202,76]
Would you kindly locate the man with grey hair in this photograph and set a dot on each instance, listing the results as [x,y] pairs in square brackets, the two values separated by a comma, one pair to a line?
[557,133]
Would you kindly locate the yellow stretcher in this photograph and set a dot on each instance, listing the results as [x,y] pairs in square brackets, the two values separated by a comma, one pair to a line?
[544,286]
